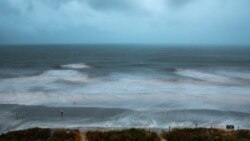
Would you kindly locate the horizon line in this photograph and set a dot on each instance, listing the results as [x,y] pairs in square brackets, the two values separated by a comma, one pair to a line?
[131,44]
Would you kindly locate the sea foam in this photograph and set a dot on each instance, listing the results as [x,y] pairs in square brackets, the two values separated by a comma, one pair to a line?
[203,75]
[76,66]
[67,75]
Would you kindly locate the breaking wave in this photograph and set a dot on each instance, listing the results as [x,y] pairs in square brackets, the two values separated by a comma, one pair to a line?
[121,90]
[209,76]
[157,87]
[235,74]
[89,117]
[67,75]
[76,66]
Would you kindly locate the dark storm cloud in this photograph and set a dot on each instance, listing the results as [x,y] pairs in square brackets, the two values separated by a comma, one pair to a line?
[125,21]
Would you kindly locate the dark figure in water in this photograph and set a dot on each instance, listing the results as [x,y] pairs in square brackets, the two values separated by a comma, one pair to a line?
[61,113]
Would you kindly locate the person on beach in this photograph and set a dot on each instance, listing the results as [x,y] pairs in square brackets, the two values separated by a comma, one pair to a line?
[61,113]
[196,125]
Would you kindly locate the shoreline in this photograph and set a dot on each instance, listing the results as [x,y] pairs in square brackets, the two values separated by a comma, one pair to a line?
[18,117]
[108,134]
[108,129]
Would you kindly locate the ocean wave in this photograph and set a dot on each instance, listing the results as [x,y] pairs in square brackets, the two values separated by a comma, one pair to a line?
[181,118]
[90,117]
[202,75]
[67,75]
[74,88]
[50,88]
[235,74]
[76,66]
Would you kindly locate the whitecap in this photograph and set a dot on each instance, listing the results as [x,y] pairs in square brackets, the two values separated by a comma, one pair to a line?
[234,74]
[67,75]
[203,75]
[76,66]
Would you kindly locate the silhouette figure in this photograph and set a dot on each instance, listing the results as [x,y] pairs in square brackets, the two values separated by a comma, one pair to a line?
[61,113]
[196,125]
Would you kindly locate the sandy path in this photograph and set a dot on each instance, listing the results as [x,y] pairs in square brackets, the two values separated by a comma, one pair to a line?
[83,136]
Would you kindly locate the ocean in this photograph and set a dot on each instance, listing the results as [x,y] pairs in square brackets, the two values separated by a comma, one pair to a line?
[123,86]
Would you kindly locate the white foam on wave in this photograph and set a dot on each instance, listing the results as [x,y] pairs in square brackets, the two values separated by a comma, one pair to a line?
[76,66]
[50,117]
[203,75]
[46,88]
[120,90]
[234,74]
[153,102]
[67,75]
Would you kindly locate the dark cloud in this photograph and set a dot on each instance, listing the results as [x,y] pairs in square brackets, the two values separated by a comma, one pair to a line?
[7,9]
[125,21]
[55,4]
[110,4]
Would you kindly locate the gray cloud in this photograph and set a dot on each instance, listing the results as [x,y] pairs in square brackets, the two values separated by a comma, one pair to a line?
[110,4]
[125,21]
[180,2]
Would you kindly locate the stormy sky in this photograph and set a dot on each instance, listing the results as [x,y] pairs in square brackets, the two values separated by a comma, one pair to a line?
[219,22]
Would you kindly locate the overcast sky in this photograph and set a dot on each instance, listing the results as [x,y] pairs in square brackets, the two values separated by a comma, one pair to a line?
[219,22]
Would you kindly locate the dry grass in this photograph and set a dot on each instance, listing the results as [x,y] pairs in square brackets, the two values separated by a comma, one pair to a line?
[199,134]
[124,135]
[38,134]
[202,134]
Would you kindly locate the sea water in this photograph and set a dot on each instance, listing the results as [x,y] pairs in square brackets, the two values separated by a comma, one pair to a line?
[123,86]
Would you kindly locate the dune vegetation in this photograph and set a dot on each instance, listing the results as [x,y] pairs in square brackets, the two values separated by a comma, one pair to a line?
[39,134]
[203,134]
[124,135]
[197,134]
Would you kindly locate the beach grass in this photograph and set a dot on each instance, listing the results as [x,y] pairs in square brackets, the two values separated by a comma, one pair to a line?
[186,134]
[204,134]
[41,134]
[123,135]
